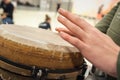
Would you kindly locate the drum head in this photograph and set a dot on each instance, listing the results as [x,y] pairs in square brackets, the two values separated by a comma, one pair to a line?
[37,47]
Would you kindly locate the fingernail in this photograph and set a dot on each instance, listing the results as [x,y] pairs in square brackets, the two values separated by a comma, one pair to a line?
[60,32]
[56,29]
[61,10]
[60,17]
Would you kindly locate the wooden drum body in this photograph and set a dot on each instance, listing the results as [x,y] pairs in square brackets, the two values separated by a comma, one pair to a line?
[30,53]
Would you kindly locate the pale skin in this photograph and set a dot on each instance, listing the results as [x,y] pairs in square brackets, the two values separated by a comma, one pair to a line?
[95,46]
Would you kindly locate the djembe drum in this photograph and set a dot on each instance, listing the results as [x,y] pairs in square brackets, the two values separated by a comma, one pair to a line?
[34,54]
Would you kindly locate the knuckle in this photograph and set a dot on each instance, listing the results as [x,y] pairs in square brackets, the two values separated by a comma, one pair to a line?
[94,31]
[67,38]
[87,36]
[65,21]
[67,14]
[77,18]
[76,42]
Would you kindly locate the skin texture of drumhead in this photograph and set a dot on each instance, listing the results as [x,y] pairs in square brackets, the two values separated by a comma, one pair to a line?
[35,37]
[33,46]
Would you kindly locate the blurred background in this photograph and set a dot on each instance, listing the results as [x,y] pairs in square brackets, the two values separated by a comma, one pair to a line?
[32,12]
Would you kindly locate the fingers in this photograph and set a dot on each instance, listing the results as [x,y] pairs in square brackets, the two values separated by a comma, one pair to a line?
[72,40]
[75,19]
[64,30]
[72,27]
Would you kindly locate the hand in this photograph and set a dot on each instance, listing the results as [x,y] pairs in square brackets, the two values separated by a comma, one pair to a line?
[95,46]
[3,16]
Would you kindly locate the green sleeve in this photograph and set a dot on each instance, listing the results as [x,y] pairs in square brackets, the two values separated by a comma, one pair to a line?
[104,24]
[118,67]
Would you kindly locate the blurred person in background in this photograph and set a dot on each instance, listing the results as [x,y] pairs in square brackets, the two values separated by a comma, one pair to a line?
[100,15]
[8,10]
[58,5]
[5,19]
[46,23]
